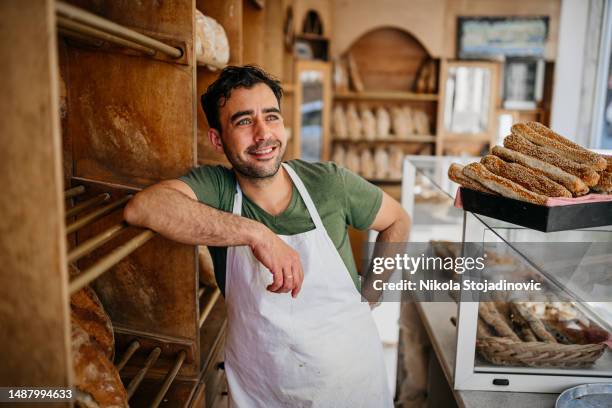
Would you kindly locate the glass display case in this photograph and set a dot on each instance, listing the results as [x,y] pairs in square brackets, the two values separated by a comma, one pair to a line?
[547,343]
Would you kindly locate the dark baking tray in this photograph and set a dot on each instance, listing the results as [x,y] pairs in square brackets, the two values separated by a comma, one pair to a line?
[538,217]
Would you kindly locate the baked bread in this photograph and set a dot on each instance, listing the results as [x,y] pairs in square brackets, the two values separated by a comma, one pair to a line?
[368,121]
[455,173]
[524,176]
[421,122]
[553,143]
[582,171]
[96,379]
[383,122]
[355,128]
[569,181]
[88,312]
[352,160]
[605,183]
[339,156]
[339,124]
[396,158]
[503,186]
[490,315]
[402,122]
[211,43]
[366,164]
[381,163]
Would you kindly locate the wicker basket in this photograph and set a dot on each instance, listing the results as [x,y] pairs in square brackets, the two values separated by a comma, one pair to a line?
[506,352]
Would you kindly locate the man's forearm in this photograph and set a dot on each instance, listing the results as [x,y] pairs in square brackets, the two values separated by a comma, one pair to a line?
[178,217]
[396,233]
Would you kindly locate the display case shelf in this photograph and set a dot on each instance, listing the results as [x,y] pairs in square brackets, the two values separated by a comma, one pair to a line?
[385,96]
[390,140]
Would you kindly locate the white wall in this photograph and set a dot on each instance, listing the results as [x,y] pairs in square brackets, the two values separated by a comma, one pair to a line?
[569,67]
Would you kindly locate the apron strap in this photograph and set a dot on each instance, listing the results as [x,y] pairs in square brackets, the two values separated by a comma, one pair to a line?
[312,210]
[237,210]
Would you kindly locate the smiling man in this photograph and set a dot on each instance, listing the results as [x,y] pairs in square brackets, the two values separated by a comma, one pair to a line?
[298,332]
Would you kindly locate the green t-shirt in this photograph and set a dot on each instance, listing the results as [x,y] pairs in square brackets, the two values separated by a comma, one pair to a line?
[342,198]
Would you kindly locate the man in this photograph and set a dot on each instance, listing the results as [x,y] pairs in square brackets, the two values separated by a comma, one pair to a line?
[277,228]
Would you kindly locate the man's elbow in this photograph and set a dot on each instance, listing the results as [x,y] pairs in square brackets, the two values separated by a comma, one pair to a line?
[405,223]
[133,212]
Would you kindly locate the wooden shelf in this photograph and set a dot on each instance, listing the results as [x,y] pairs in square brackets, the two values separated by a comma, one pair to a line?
[410,139]
[386,95]
[467,137]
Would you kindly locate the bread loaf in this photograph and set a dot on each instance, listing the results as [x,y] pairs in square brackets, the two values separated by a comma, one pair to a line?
[340,127]
[88,312]
[381,161]
[339,156]
[396,158]
[402,125]
[421,122]
[383,122]
[352,160]
[366,164]
[368,121]
[353,122]
[211,44]
[96,379]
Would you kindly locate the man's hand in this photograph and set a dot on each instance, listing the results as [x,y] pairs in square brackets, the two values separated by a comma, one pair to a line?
[282,261]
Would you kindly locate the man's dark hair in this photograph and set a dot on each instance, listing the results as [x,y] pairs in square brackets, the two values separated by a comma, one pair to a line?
[233,77]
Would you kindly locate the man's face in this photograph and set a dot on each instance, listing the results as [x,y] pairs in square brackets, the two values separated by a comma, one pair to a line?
[253,133]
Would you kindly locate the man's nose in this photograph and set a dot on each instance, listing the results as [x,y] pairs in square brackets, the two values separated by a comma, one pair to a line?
[262,131]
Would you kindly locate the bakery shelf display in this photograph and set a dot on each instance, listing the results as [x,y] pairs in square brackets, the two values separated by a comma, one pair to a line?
[382,112]
[386,96]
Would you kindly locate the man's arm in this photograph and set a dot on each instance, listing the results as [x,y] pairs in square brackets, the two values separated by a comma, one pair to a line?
[393,226]
[392,222]
[171,209]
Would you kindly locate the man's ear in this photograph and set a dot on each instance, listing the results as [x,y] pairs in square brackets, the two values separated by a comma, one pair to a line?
[215,138]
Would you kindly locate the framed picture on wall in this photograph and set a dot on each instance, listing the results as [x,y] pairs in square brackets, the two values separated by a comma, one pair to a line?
[501,37]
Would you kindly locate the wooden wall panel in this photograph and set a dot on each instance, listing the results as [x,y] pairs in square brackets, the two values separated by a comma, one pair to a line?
[401,53]
[253,29]
[274,40]
[432,22]
[424,19]
[33,296]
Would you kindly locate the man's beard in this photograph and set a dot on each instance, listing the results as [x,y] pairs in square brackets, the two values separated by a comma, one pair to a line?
[255,172]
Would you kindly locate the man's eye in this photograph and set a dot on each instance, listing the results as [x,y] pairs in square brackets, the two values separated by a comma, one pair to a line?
[244,121]
[272,117]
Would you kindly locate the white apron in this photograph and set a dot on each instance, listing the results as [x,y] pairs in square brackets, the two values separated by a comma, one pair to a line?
[321,349]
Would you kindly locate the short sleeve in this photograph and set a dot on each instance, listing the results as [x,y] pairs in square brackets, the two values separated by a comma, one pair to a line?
[362,200]
[208,183]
